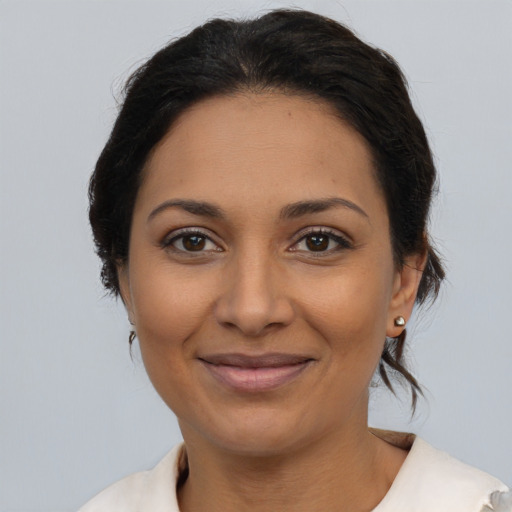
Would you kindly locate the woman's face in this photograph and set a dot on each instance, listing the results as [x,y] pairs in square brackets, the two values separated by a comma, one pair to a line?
[261,278]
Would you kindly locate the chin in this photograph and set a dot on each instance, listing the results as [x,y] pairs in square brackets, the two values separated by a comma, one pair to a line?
[255,433]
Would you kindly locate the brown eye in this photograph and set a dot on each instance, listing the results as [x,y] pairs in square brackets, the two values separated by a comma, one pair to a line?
[317,242]
[190,242]
[193,242]
[322,241]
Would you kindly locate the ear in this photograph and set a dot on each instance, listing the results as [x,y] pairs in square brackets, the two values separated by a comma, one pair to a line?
[405,288]
[124,288]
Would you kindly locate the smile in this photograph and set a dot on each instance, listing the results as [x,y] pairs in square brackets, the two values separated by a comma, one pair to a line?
[255,374]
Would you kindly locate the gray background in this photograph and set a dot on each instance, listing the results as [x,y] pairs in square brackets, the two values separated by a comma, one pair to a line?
[76,412]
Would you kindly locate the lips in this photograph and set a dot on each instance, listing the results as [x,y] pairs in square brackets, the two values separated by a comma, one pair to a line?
[241,372]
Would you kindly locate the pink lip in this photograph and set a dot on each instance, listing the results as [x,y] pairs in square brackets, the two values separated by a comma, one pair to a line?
[255,373]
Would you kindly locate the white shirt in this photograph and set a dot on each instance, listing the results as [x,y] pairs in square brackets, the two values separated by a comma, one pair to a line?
[428,481]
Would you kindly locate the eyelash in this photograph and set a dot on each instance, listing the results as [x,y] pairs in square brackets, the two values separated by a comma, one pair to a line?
[168,242]
[343,243]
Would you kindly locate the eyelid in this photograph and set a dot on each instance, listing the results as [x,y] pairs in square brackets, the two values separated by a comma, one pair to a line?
[324,230]
[175,234]
[343,240]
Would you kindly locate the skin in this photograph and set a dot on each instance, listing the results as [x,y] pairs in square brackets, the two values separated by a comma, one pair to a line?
[255,283]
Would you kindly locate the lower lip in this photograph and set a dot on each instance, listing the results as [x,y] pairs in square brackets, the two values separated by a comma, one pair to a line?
[255,379]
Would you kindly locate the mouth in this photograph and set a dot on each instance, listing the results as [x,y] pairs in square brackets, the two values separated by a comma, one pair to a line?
[255,373]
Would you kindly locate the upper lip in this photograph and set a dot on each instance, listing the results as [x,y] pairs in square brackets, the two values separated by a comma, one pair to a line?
[272,360]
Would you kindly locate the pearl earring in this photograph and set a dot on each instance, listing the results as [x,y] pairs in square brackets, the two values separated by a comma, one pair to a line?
[399,321]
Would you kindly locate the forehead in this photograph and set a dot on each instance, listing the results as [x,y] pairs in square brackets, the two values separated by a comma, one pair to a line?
[273,147]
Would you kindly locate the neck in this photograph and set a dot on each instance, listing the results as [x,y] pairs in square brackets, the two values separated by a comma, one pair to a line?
[352,470]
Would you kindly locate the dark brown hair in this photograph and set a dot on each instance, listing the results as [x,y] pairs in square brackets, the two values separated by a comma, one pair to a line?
[296,52]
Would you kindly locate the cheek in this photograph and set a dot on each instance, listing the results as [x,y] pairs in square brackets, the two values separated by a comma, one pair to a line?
[350,311]
[168,308]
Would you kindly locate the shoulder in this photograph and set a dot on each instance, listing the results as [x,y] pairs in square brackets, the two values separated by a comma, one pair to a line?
[454,479]
[124,495]
[153,490]
[432,480]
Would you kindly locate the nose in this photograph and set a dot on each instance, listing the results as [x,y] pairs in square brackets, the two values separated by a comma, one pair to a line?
[254,297]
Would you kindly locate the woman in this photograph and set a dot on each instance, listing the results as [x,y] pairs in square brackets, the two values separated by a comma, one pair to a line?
[261,208]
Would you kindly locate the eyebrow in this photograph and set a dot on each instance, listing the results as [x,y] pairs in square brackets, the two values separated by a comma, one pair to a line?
[290,211]
[200,208]
[300,208]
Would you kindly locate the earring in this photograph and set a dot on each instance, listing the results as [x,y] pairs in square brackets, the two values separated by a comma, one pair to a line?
[132,334]
[399,321]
